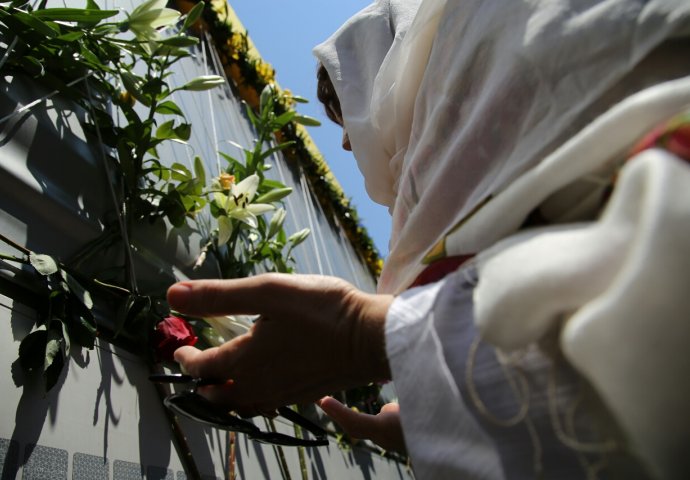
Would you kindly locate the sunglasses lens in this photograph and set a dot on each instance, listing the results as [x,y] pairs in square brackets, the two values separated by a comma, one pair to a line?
[196,407]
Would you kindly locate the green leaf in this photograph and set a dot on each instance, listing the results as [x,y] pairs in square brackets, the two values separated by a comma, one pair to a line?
[72,36]
[52,375]
[161,172]
[133,309]
[231,160]
[77,290]
[277,148]
[183,131]
[307,121]
[252,116]
[299,99]
[74,14]
[179,41]
[166,130]
[50,30]
[123,312]
[92,5]
[274,195]
[199,170]
[193,15]
[169,108]
[180,172]
[44,264]
[171,204]
[54,359]
[82,327]
[92,59]
[188,202]
[32,349]
[133,85]
[32,66]
[269,183]
[54,344]
[65,336]
[284,119]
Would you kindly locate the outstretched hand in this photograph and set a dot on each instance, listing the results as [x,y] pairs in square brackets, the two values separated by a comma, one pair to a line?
[384,428]
[315,335]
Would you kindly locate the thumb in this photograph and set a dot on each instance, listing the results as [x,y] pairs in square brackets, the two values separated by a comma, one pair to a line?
[355,424]
[209,364]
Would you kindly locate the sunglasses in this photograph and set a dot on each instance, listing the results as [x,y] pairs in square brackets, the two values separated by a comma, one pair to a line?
[196,407]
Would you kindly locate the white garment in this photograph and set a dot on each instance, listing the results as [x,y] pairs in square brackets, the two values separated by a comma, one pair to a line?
[442,437]
[478,99]
[619,281]
[437,128]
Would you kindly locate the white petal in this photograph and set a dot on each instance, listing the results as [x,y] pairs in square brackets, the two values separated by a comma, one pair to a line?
[146,6]
[247,187]
[259,208]
[245,216]
[219,324]
[155,18]
[165,17]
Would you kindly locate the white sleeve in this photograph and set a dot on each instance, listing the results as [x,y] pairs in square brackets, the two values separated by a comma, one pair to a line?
[619,287]
[442,437]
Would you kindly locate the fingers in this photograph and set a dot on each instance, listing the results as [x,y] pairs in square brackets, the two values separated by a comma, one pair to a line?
[355,424]
[210,297]
[383,429]
[259,294]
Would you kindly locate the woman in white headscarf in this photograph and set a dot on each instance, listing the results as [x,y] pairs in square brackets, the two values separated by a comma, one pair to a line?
[500,135]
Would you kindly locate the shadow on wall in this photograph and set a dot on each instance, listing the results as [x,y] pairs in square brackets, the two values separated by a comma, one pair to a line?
[37,414]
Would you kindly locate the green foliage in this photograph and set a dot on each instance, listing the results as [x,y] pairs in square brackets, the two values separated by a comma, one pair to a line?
[109,65]
[69,318]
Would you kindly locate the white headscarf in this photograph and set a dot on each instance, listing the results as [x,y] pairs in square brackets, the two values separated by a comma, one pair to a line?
[446,102]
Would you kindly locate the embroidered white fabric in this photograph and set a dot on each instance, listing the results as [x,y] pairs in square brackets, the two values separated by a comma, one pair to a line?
[442,437]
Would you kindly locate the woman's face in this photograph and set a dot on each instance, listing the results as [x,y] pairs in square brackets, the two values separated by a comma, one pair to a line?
[346,139]
[327,96]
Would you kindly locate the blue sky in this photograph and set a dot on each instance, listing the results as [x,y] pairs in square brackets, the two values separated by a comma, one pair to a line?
[284,32]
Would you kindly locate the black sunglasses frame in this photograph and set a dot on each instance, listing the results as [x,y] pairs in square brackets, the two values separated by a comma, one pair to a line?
[191,405]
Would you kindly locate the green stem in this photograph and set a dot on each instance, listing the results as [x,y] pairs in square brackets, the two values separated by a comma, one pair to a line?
[14,244]
[113,287]
[12,258]
[300,453]
[280,454]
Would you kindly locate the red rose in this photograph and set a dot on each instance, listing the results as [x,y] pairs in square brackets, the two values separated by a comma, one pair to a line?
[170,334]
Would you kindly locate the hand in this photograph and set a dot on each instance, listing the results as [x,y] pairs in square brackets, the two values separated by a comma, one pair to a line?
[384,428]
[315,335]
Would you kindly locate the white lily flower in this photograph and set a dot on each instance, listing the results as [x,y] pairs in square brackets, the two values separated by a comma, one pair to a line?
[149,17]
[238,204]
[230,326]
